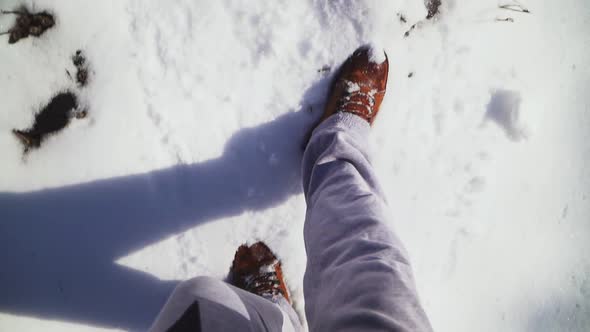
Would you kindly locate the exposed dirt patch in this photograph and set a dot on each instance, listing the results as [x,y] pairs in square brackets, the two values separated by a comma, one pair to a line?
[79,60]
[325,69]
[432,6]
[28,24]
[51,119]
[407,33]
[402,18]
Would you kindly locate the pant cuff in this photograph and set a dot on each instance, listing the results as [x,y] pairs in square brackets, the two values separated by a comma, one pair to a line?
[346,121]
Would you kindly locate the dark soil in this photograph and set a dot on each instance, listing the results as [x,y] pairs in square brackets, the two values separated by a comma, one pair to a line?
[28,24]
[432,7]
[324,69]
[79,61]
[51,119]
[402,18]
[410,30]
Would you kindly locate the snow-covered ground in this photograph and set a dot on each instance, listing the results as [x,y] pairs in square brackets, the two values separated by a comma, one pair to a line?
[197,110]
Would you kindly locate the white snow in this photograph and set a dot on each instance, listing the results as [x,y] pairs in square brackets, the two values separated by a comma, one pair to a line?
[352,87]
[376,54]
[196,114]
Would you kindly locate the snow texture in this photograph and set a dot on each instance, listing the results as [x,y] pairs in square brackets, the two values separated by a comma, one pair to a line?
[376,54]
[352,87]
[503,109]
[197,111]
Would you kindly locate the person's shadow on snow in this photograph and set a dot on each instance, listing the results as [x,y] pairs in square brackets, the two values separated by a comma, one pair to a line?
[58,246]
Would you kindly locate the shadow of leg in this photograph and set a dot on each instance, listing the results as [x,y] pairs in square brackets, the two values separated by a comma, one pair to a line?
[57,246]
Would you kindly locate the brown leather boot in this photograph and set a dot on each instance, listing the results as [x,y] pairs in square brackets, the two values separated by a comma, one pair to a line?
[359,86]
[257,270]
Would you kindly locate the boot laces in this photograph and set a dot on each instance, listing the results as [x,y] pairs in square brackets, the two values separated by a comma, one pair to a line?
[356,98]
[264,283]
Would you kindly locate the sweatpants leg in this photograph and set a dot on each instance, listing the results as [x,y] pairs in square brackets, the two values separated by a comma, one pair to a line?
[358,276]
[208,304]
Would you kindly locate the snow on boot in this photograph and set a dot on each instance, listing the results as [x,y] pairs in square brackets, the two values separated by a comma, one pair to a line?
[359,86]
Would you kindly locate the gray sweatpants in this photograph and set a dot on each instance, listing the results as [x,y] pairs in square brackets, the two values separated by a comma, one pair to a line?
[358,276]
